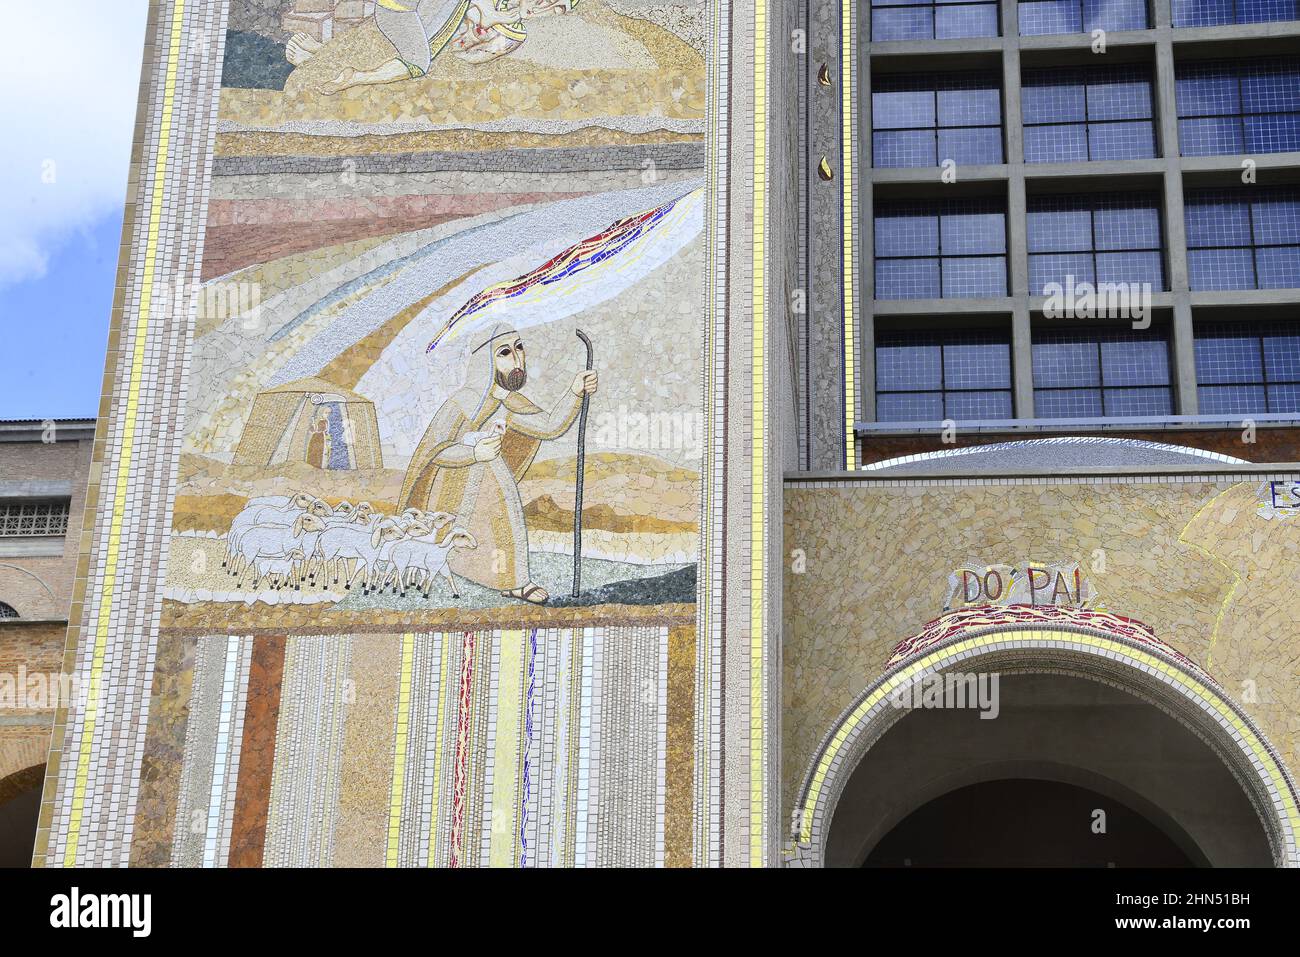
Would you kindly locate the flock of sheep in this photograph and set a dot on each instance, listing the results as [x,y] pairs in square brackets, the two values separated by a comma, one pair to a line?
[292,540]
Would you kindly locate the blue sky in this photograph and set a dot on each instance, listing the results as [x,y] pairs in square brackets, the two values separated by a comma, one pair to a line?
[69,113]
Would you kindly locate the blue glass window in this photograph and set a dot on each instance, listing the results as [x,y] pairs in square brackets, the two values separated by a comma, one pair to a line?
[913,20]
[1095,239]
[924,119]
[1243,238]
[1092,113]
[931,376]
[1120,372]
[1248,368]
[931,250]
[1232,106]
[1209,13]
[1039,17]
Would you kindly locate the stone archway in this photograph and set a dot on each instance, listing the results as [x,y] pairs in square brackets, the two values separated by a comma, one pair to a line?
[20,800]
[1073,643]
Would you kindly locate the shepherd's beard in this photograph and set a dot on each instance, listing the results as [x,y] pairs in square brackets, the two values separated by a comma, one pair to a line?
[512,381]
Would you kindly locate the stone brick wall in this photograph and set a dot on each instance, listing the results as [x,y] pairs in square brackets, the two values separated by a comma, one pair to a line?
[39,587]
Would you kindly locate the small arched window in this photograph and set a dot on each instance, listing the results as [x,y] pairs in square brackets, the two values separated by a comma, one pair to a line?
[7,611]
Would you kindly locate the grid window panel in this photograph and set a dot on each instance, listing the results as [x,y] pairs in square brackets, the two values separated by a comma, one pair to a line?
[1232,399]
[1264,11]
[977,405]
[30,518]
[974,277]
[1131,267]
[959,21]
[1054,96]
[1272,132]
[1134,402]
[1038,17]
[894,149]
[954,248]
[1062,360]
[1047,268]
[971,146]
[902,23]
[1211,136]
[1057,143]
[7,611]
[1067,403]
[1248,368]
[1209,13]
[1095,113]
[1210,270]
[1231,106]
[910,20]
[1121,223]
[909,406]
[1243,238]
[972,230]
[1229,354]
[926,376]
[1284,398]
[1278,267]
[1101,238]
[1203,13]
[1114,15]
[907,363]
[1133,358]
[1282,353]
[924,119]
[1059,225]
[1119,93]
[1107,141]
[1101,372]
[907,278]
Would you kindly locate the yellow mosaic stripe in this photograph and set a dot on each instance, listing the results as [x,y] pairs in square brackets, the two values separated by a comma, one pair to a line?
[399,749]
[507,767]
[438,739]
[758,480]
[847,50]
[113,549]
[1190,685]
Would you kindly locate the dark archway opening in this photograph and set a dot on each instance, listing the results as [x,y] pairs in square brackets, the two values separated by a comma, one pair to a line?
[1025,823]
[20,809]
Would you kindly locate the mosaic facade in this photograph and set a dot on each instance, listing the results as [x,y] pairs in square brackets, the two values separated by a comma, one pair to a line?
[434,374]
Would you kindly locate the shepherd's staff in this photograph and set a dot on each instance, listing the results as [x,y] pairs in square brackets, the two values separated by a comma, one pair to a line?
[582,460]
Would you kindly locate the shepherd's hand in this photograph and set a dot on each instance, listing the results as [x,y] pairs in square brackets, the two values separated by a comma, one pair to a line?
[585,383]
[487,449]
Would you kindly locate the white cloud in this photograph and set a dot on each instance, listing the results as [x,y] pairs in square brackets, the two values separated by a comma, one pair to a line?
[69,80]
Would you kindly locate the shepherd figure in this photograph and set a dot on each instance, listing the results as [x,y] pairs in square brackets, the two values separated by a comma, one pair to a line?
[476,450]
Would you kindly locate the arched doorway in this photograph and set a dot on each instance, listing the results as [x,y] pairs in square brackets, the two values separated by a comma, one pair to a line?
[1112,711]
[20,808]
[1024,822]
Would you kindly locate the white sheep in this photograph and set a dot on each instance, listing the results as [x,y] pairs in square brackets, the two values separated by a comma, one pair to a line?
[428,559]
[338,545]
[281,570]
[261,543]
[261,513]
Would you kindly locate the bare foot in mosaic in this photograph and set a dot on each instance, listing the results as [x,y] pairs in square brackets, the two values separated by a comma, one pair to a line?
[301,48]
